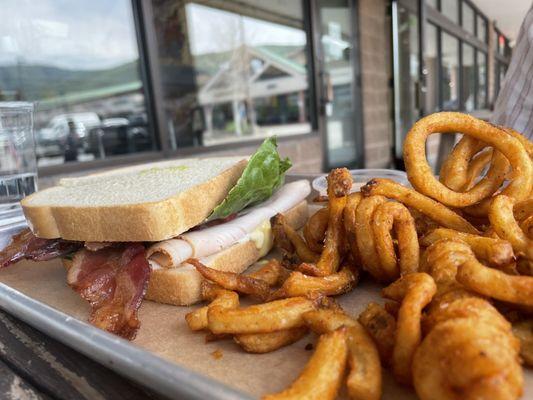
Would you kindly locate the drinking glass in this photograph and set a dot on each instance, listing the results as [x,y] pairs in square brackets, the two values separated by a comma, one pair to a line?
[18,165]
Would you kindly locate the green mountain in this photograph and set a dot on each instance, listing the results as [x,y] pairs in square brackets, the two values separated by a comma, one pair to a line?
[41,82]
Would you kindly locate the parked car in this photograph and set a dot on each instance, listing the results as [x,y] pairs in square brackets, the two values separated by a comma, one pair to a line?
[51,139]
[119,136]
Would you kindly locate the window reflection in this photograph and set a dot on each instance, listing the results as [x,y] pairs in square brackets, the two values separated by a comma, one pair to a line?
[468,18]
[481,29]
[237,73]
[450,72]
[469,78]
[81,67]
[450,9]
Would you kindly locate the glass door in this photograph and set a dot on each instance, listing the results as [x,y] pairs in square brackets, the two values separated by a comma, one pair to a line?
[406,58]
[339,90]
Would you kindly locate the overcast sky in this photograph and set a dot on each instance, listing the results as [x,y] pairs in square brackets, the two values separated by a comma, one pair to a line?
[100,34]
[70,34]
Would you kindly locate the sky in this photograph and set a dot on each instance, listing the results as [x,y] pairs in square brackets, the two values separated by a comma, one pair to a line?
[101,33]
[63,33]
[226,30]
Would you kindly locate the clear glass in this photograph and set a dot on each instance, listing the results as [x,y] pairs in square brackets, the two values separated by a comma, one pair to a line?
[18,167]
[450,72]
[481,80]
[469,78]
[469,18]
[232,71]
[338,50]
[80,65]
[481,29]
[431,69]
[432,3]
[450,9]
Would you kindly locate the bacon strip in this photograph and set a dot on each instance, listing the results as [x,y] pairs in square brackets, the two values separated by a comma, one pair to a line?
[26,245]
[113,280]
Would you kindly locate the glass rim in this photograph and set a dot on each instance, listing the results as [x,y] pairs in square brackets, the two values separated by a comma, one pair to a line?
[15,105]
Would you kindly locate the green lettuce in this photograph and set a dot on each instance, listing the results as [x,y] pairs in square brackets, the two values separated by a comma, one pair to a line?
[264,173]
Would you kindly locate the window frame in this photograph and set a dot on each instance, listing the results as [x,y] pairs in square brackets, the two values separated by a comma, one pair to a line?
[444,24]
[145,35]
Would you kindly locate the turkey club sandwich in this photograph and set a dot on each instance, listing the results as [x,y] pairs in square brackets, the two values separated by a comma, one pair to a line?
[124,235]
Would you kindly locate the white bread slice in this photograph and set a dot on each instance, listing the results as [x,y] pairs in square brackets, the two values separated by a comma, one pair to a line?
[181,286]
[149,202]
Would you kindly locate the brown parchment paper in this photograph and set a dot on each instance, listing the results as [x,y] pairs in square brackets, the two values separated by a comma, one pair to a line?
[165,333]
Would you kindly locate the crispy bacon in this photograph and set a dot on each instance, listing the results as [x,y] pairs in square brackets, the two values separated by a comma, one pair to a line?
[26,245]
[113,280]
[95,246]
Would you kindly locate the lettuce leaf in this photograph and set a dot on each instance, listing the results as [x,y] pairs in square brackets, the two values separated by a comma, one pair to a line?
[264,173]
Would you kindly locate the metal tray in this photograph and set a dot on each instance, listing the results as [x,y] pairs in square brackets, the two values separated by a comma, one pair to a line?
[163,377]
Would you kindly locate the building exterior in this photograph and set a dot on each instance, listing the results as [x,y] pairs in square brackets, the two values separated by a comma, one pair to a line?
[338,81]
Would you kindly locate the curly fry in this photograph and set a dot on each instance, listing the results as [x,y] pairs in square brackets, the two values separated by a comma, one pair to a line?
[232,281]
[496,284]
[298,284]
[498,253]
[469,352]
[419,171]
[349,223]
[315,230]
[395,216]
[273,273]
[415,291]
[197,319]
[365,235]
[339,185]
[502,220]
[328,363]
[382,327]
[364,379]
[260,343]
[465,163]
[411,198]
[523,330]
[523,209]
[261,318]
[286,237]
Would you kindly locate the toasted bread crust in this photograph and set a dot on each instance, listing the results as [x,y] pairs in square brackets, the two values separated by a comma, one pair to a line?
[147,222]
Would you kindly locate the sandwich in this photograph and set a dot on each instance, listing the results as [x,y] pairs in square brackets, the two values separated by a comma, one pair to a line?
[125,235]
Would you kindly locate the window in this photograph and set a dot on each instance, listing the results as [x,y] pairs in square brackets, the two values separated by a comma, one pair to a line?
[481,29]
[81,67]
[431,69]
[450,9]
[469,78]
[232,72]
[482,80]
[450,72]
[468,18]
[432,3]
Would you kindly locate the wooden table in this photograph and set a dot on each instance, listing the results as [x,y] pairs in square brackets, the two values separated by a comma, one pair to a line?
[34,366]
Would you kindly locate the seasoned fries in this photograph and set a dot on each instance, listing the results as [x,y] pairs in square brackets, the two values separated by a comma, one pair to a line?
[315,230]
[232,281]
[322,376]
[298,284]
[339,185]
[290,235]
[415,291]
[261,318]
[266,342]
